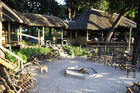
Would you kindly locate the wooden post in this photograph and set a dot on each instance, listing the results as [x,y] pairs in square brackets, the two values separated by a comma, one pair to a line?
[102,35]
[87,36]
[5,37]
[129,43]
[18,63]
[55,32]
[62,36]
[9,34]
[38,36]
[0,22]
[20,36]
[43,36]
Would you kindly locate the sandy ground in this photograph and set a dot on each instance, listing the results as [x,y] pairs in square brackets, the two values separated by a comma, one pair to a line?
[107,80]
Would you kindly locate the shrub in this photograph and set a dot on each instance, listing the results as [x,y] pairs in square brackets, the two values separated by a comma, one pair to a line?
[26,53]
[76,51]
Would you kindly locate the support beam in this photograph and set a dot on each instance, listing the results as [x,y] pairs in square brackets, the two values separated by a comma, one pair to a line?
[6,36]
[20,35]
[129,43]
[0,22]
[9,34]
[102,35]
[87,36]
[55,32]
[30,36]
[38,36]
[62,36]
[43,36]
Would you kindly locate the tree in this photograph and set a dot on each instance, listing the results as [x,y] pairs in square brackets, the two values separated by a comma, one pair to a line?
[123,6]
[48,7]
[136,49]
[77,7]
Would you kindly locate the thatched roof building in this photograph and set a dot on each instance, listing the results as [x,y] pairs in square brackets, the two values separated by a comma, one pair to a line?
[9,15]
[98,20]
[42,20]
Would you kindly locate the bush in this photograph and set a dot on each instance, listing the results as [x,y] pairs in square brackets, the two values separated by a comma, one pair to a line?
[26,53]
[76,51]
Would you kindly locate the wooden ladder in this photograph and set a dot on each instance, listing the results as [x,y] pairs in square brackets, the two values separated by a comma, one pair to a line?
[25,82]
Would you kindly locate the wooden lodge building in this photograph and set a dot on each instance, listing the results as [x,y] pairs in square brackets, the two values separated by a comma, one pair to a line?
[92,26]
[88,29]
[13,22]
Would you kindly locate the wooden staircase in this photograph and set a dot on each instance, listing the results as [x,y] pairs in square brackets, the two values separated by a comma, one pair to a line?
[8,64]
[135,88]
[25,82]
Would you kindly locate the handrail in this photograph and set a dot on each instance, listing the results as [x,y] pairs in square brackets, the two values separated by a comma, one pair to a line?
[30,36]
[4,49]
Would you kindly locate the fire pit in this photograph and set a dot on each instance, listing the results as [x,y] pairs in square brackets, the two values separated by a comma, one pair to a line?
[81,72]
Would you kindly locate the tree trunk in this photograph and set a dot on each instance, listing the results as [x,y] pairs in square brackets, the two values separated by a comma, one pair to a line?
[0,22]
[69,13]
[136,48]
[115,24]
[75,9]
[69,9]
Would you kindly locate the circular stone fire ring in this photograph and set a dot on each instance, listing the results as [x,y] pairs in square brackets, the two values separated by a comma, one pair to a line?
[81,72]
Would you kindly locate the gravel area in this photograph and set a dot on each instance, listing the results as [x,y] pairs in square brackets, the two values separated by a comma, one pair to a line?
[107,79]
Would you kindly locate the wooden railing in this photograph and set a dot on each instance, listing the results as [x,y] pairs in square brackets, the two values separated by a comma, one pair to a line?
[20,61]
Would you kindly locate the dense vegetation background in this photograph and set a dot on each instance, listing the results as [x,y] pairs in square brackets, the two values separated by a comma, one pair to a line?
[73,8]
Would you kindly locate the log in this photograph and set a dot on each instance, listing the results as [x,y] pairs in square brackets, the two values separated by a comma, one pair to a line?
[8,79]
[4,83]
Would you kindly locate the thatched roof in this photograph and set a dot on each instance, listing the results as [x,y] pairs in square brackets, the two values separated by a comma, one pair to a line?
[42,20]
[30,19]
[9,15]
[98,20]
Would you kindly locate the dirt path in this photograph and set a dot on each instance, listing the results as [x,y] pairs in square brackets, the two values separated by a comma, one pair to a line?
[107,80]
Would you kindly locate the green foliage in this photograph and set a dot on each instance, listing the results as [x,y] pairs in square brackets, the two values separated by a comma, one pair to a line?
[29,43]
[49,7]
[76,51]
[26,53]
[10,57]
[119,6]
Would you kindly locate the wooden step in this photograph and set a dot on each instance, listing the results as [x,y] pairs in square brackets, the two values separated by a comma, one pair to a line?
[129,90]
[26,82]
[137,84]
[8,64]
